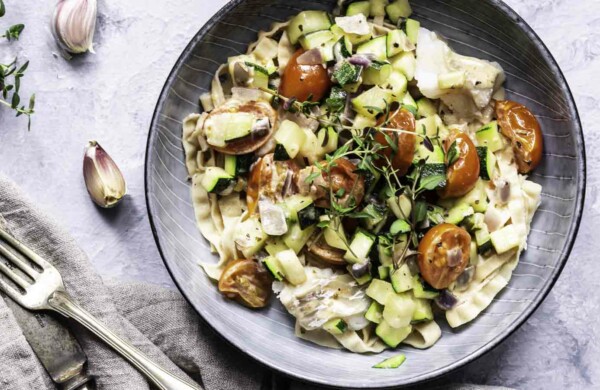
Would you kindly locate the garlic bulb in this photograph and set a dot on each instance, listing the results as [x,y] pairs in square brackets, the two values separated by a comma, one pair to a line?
[73,25]
[103,178]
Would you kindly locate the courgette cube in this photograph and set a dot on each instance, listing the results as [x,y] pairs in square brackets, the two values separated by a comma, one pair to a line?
[362,280]
[249,236]
[402,279]
[396,42]
[483,240]
[354,39]
[230,165]
[336,326]
[474,222]
[426,107]
[359,7]
[477,197]
[399,226]
[374,76]
[383,271]
[458,213]
[291,137]
[347,74]
[360,246]
[423,290]
[334,233]
[390,335]
[396,83]
[393,362]
[377,7]
[292,268]
[379,290]
[489,136]
[487,162]
[432,157]
[408,100]
[315,39]
[216,180]
[372,102]
[412,30]
[306,22]
[342,48]
[375,313]
[295,203]
[422,311]
[406,63]
[506,239]
[398,9]
[308,216]
[375,47]
[384,250]
[275,245]
[296,238]
[473,255]
[434,171]
[272,264]
[452,80]
[398,310]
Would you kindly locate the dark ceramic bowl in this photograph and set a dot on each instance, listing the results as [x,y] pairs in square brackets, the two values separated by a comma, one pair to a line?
[482,28]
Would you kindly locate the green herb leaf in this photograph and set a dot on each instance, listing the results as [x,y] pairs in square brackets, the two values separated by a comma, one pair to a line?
[340,192]
[347,73]
[453,153]
[311,178]
[336,100]
[411,109]
[420,211]
[323,224]
[2,8]
[399,226]
[392,143]
[432,182]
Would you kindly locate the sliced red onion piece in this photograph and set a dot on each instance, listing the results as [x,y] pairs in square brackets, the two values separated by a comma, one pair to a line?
[360,60]
[310,57]
[454,257]
[465,278]
[446,300]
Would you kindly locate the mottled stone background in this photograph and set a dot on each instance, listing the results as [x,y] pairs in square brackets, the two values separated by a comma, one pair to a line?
[110,96]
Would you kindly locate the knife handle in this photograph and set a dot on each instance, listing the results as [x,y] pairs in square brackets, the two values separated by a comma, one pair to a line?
[65,305]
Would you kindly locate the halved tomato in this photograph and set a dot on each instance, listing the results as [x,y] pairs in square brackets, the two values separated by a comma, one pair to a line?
[247,282]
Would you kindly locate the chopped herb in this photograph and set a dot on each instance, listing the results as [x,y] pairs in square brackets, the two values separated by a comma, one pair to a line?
[336,100]
[453,153]
[428,144]
[347,73]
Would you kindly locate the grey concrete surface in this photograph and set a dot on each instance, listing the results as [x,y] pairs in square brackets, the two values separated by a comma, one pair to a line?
[110,96]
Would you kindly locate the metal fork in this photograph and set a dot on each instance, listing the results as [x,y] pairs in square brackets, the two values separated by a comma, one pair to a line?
[43,289]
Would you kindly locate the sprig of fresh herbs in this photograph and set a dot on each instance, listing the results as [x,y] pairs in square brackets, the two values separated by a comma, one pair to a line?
[11,75]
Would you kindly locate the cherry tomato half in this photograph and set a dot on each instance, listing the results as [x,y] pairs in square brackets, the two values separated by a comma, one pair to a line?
[443,254]
[462,175]
[401,160]
[304,81]
[246,282]
[347,186]
[519,125]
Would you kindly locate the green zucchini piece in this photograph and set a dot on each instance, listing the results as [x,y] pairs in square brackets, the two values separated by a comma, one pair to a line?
[426,107]
[290,137]
[359,7]
[272,264]
[376,47]
[342,48]
[396,83]
[409,101]
[315,39]
[378,215]
[458,213]
[293,204]
[477,197]
[280,154]
[243,163]
[487,162]
[435,214]
[307,22]
[377,7]
[375,313]
[489,136]
[383,271]
[328,140]
[347,74]
[379,290]
[422,311]
[395,42]
[360,246]
[372,102]
[483,240]
[374,76]
[423,290]
[308,216]
[249,236]
[366,278]
[474,222]
[384,250]
[216,180]
[296,238]
[406,63]
[275,245]
[390,335]
[398,9]
[452,80]
[432,157]
[399,226]
[335,326]
[412,27]
[292,268]
[401,279]
[230,165]
[398,310]
[506,239]
[334,233]
[434,171]
[393,362]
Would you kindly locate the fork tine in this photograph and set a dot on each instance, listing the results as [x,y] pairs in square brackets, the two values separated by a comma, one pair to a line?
[10,291]
[24,250]
[13,276]
[19,262]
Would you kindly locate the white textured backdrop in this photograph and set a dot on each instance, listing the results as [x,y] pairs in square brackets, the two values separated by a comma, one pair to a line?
[110,97]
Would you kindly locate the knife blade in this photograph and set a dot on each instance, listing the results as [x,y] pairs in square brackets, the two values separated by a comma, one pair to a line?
[55,346]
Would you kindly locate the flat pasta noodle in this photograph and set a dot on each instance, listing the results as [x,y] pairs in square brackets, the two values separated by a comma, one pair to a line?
[317,336]
[285,50]
[423,335]
[192,141]
[354,343]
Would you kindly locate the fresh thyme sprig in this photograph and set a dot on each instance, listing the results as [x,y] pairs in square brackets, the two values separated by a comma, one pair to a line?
[11,74]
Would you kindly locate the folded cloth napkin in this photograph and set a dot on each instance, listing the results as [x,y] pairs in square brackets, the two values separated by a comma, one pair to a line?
[180,341]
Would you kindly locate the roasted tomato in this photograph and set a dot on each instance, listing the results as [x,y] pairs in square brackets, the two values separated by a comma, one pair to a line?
[519,125]
[304,81]
[246,282]
[345,183]
[462,175]
[401,160]
[444,254]
[271,179]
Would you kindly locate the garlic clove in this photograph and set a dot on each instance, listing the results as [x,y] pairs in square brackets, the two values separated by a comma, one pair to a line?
[73,25]
[103,178]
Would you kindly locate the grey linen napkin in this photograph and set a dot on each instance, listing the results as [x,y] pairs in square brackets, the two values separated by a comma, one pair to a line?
[156,320]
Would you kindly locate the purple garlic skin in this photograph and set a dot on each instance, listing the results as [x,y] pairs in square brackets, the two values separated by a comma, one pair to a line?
[103,178]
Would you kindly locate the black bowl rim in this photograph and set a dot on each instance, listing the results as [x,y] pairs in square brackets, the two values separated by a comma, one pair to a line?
[519,321]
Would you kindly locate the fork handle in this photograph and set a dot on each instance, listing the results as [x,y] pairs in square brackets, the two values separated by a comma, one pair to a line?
[61,302]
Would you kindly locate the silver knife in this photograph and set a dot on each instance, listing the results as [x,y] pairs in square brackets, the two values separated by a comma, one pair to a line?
[55,346]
